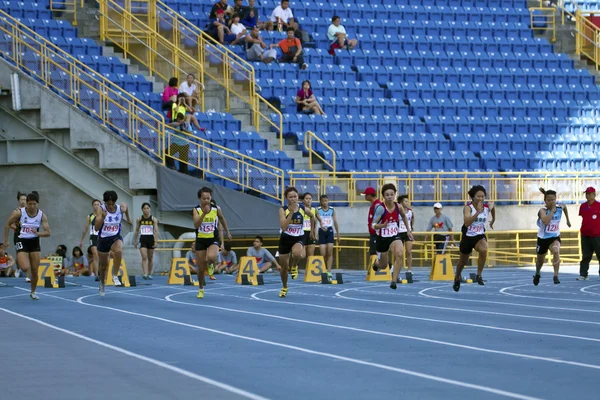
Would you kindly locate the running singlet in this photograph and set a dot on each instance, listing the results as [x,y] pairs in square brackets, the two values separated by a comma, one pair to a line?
[478,226]
[409,215]
[326,217]
[112,223]
[296,226]
[371,215]
[93,231]
[551,230]
[147,226]
[307,223]
[208,228]
[392,218]
[29,226]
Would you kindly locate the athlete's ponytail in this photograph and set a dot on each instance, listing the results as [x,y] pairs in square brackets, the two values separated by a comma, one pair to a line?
[19,194]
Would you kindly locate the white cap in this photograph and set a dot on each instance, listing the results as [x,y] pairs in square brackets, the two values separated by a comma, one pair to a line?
[437,205]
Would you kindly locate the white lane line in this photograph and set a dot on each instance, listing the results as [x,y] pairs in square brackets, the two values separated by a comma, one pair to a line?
[506,289]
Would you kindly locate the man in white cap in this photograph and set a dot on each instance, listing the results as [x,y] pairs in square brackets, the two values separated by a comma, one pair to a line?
[371,196]
[439,223]
[590,232]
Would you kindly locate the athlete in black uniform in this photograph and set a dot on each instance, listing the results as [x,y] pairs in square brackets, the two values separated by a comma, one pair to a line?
[147,229]
[90,223]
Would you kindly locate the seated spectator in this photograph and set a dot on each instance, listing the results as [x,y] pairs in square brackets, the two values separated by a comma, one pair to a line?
[256,48]
[292,49]
[79,263]
[306,102]
[264,258]
[7,263]
[238,9]
[190,90]
[188,112]
[169,96]
[227,260]
[220,31]
[221,5]
[238,30]
[191,259]
[336,33]
[283,18]
[250,19]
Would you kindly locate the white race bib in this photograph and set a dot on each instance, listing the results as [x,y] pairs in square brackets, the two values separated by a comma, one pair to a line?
[389,231]
[327,221]
[294,230]
[147,230]
[307,224]
[475,230]
[207,227]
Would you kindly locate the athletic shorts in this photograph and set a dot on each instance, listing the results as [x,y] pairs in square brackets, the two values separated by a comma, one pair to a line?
[286,242]
[307,240]
[104,244]
[544,244]
[147,241]
[404,237]
[204,243]
[28,245]
[372,244]
[93,240]
[326,237]
[468,243]
[383,244]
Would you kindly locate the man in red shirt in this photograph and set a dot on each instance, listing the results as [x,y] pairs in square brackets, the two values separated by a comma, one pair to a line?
[371,196]
[590,232]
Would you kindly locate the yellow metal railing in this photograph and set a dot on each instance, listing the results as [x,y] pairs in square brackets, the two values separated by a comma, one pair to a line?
[587,35]
[545,16]
[169,46]
[67,6]
[309,138]
[132,119]
[447,187]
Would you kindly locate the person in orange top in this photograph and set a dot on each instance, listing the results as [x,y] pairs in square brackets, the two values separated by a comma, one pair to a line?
[292,49]
[7,262]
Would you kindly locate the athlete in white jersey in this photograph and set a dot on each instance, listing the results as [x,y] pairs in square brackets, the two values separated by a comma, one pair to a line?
[108,223]
[403,230]
[548,237]
[30,218]
[90,226]
[476,214]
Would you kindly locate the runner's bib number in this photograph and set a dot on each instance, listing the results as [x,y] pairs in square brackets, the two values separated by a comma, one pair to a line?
[327,221]
[307,224]
[207,228]
[389,231]
[294,230]
[475,230]
[28,230]
[147,230]
[552,227]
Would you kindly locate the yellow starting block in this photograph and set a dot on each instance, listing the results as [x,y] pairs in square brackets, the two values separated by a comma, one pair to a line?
[46,276]
[441,269]
[381,275]
[248,273]
[179,274]
[126,280]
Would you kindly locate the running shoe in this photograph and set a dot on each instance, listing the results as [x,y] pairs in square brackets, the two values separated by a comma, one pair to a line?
[393,285]
[456,285]
[479,280]
[27,280]
[536,279]
[556,281]
[34,296]
[149,277]
[294,272]
[283,292]
[144,277]
[200,294]
[583,278]
[211,270]
[116,280]
[97,279]
[329,276]
[102,290]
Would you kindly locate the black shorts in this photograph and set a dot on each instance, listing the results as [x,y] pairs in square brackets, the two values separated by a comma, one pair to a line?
[544,244]
[383,243]
[104,244]
[93,240]
[307,240]
[468,243]
[286,242]
[326,237]
[372,244]
[404,237]
[28,245]
[204,243]
[147,241]
[16,237]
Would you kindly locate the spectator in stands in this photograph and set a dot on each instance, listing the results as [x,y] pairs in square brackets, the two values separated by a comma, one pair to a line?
[238,9]
[219,6]
[238,30]
[336,33]
[292,49]
[283,18]
[190,90]
[169,96]
[188,112]
[440,223]
[219,29]
[79,264]
[191,259]
[250,19]
[590,232]
[264,258]
[306,102]
[257,49]
[227,260]
[7,263]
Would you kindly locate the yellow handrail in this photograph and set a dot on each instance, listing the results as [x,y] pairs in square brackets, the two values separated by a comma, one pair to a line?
[67,6]
[170,46]
[308,145]
[278,126]
[587,35]
[451,187]
[547,16]
[132,119]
